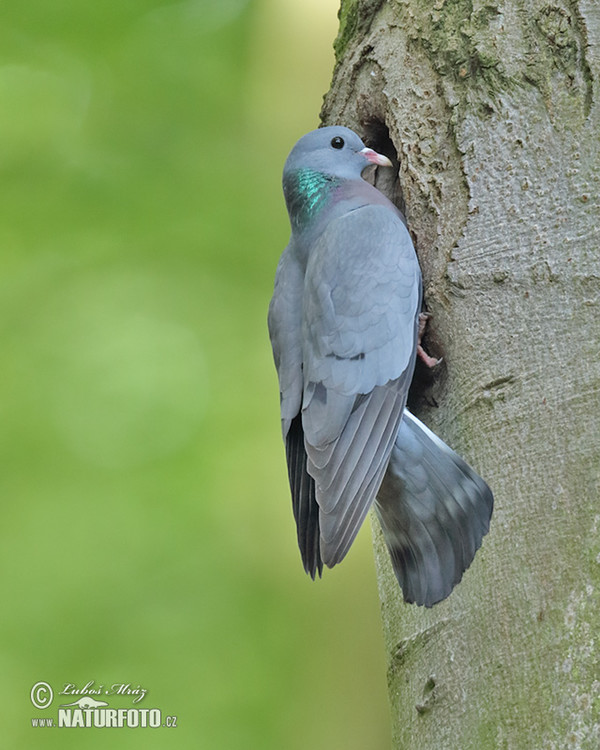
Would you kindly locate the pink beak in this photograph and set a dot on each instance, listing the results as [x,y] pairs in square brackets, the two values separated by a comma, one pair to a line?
[374,158]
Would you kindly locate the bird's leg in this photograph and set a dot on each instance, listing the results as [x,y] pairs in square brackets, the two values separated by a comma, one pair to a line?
[425,358]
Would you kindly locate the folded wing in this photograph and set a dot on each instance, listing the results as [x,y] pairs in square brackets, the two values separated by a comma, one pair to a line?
[361,301]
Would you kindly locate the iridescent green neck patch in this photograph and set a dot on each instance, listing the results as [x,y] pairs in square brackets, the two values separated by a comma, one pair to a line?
[306,192]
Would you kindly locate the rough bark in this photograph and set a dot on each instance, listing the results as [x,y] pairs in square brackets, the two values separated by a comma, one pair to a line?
[491,110]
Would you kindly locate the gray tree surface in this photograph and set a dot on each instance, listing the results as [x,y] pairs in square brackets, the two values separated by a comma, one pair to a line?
[491,110]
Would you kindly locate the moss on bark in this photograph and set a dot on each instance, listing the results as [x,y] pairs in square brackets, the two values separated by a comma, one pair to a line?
[490,112]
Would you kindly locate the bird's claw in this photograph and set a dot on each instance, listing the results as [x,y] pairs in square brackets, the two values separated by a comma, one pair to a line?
[427,360]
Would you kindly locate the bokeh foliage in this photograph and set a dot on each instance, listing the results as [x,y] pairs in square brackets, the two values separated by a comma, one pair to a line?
[146,526]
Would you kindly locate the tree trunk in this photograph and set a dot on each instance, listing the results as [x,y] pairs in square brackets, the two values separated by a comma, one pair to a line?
[491,111]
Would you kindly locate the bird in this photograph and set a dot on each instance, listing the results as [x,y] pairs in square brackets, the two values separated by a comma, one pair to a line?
[344,323]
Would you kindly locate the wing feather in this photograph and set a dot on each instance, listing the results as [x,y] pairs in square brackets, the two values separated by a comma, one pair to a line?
[360,310]
[285,331]
[304,504]
[343,324]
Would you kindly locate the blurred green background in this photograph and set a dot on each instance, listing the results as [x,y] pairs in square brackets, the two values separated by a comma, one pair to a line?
[147,532]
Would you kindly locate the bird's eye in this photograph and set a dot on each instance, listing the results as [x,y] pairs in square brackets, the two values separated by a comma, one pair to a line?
[337,142]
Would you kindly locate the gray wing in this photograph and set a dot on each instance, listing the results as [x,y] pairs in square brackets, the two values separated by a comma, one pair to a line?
[285,331]
[360,308]
[434,511]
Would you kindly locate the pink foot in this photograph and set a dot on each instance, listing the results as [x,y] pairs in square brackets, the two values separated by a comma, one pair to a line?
[426,359]
[421,353]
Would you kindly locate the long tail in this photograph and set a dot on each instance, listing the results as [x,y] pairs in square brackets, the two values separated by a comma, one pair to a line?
[434,511]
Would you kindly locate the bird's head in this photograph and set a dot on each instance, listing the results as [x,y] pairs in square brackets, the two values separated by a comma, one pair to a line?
[318,164]
[335,151]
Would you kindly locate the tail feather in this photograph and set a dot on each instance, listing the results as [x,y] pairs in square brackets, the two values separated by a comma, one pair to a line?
[434,511]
